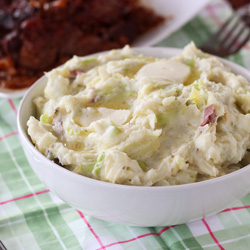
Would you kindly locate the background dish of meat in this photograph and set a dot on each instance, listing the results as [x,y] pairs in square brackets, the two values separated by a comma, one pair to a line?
[39,35]
[176,14]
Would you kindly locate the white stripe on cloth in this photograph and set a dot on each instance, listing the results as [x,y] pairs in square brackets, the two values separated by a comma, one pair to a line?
[197,228]
[227,241]
[179,238]
[214,223]
[236,217]
[13,224]
[4,190]
[138,240]
[10,226]
[65,210]
[13,209]
[21,220]
[2,101]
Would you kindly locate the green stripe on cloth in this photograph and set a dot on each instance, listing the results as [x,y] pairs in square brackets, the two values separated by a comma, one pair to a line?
[187,236]
[229,237]
[42,231]
[12,172]
[198,37]
[50,237]
[64,231]
[237,58]
[244,214]
[37,223]
[196,31]
[171,240]
[44,207]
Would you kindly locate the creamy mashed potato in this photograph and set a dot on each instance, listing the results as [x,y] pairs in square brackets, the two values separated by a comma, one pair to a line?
[129,119]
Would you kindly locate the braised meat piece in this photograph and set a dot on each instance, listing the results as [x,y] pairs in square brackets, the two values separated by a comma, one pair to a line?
[36,36]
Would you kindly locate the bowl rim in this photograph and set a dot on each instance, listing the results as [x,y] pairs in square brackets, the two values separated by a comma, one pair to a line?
[24,137]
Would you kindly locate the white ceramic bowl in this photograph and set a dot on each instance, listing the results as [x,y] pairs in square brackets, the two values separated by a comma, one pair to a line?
[133,205]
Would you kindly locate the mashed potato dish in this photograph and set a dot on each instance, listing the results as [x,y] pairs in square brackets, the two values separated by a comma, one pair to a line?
[129,119]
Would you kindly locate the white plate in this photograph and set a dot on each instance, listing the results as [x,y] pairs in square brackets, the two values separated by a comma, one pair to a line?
[12,93]
[180,12]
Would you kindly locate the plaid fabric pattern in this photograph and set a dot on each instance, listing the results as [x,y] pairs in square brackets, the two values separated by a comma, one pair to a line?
[31,217]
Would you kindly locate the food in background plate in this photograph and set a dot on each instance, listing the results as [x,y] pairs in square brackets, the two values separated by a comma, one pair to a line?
[36,36]
[130,119]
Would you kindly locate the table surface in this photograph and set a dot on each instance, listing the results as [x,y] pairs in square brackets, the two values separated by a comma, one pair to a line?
[31,217]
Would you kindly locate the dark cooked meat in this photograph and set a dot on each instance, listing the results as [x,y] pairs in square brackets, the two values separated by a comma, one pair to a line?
[12,13]
[36,36]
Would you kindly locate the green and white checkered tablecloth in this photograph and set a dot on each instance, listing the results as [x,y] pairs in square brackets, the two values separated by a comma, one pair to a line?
[31,217]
